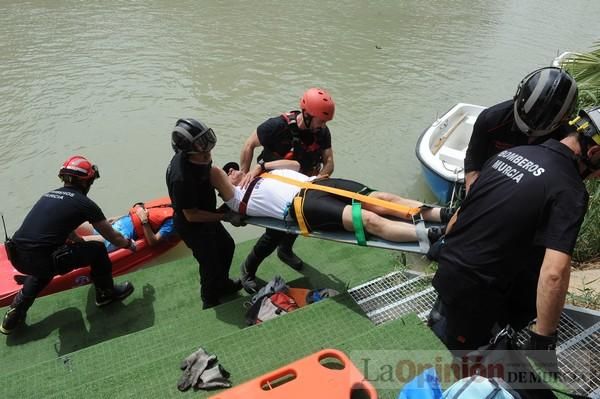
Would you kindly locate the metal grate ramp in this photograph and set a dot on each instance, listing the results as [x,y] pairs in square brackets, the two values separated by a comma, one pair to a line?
[401,292]
[394,295]
[579,362]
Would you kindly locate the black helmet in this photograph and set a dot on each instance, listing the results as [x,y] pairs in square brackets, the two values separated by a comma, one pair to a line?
[189,132]
[543,100]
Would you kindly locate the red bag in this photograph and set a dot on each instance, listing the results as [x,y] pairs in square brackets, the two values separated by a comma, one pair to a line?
[270,307]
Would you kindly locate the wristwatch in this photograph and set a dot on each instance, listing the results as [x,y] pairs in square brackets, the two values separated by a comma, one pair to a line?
[262,165]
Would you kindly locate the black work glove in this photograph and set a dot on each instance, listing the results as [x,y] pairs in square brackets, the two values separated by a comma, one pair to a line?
[223,208]
[234,218]
[435,250]
[214,377]
[542,350]
[193,366]
[132,245]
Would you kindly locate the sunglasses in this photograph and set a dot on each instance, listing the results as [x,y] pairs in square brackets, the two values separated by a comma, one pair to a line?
[206,141]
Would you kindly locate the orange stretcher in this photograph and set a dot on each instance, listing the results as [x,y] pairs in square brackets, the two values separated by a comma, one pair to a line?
[328,373]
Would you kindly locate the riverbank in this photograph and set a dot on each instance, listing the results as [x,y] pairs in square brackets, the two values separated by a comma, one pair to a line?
[584,285]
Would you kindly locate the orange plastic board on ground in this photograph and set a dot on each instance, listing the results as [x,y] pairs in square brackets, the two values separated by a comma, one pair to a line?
[326,374]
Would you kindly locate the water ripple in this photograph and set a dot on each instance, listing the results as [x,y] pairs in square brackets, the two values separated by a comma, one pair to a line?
[108,79]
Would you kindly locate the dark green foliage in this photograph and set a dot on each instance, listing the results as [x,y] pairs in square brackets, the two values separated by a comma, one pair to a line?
[585,68]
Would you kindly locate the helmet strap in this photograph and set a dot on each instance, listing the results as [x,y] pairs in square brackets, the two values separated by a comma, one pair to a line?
[583,157]
[307,119]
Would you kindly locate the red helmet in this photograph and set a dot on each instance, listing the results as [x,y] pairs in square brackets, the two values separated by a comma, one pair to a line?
[318,103]
[79,167]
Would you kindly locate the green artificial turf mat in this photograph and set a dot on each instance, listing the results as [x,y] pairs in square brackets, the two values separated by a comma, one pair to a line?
[70,344]
[252,352]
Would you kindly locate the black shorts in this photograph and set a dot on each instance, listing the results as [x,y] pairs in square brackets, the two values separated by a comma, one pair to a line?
[322,210]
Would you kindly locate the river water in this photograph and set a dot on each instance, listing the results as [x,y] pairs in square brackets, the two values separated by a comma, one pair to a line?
[109,79]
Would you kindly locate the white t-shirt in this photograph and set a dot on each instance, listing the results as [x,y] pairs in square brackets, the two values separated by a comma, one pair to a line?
[269,198]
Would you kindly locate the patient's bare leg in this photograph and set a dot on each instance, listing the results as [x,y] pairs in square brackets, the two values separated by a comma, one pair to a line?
[429,214]
[387,229]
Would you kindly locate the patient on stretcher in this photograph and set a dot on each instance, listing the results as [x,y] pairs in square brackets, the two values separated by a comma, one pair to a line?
[320,206]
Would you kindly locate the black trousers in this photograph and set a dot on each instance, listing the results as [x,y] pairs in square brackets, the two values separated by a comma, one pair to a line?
[213,248]
[41,265]
[461,329]
[270,240]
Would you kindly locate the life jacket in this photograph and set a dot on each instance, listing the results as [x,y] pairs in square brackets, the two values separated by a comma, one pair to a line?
[159,211]
[309,155]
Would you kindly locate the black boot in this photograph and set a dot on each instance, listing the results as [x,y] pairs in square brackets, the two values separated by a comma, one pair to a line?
[248,270]
[15,316]
[230,287]
[207,304]
[446,214]
[118,292]
[434,233]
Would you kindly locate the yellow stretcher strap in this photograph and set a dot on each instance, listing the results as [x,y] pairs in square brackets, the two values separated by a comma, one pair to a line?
[298,205]
[359,229]
[407,211]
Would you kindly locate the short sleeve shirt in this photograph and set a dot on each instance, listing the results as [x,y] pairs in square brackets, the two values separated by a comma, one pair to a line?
[124,225]
[55,215]
[269,197]
[526,199]
[274,135]
[189,186]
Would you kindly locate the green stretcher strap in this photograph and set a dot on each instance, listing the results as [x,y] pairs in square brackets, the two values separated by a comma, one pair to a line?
[359,229]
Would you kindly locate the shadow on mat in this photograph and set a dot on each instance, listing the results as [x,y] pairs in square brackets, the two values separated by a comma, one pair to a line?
[232,310]
[104,323]
[313,278]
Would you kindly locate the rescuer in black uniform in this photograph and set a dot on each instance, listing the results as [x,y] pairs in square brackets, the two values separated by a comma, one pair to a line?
[544,100]
[508,257]
[196,218]
[302,136]
[40,249]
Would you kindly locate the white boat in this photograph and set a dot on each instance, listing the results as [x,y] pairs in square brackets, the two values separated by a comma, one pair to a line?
[442,147]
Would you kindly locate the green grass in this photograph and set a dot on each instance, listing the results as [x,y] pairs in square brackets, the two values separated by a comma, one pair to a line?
[588,241]
[586,296]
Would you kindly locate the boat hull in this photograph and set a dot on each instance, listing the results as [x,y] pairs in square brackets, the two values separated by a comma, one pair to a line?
[441,149]
[439,186]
